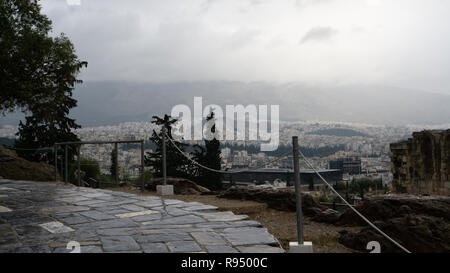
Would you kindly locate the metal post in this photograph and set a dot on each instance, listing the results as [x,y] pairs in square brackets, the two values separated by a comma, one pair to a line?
[79,166]
[164,156]
[55,152]
[116,159]
[61,168]
[298,196]
[66,157]
[142,166]
[346,191]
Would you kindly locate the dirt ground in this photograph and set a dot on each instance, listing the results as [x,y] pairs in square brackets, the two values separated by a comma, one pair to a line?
[281,224]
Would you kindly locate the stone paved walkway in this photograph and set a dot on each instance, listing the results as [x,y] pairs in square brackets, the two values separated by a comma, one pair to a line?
[42,217]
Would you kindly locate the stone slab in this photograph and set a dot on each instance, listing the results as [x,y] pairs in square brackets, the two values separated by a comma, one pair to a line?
[4,209]
[260,249]
[119,244]
[208,238]
[249,236]
[97,215]
[137,213]
[183,246]
[154,248]
[56,227]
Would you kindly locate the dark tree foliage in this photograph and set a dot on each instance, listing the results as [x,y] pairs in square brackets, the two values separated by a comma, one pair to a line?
[31,62]
[209,156]
[177,164]
[359,186]
[37,74]
[114,165]
[49,122]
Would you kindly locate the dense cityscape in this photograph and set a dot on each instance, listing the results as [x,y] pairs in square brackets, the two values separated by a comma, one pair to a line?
[368,144]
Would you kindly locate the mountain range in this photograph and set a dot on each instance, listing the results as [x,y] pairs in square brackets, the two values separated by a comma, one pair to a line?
[113,102]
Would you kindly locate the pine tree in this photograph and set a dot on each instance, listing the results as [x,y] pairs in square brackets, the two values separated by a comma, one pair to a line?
[48,124]
[114,163]
[177,165]
[47,120]
[32,61]
[209,156]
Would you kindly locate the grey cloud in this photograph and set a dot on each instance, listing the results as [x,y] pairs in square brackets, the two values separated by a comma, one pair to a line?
[318,34]
[252,40]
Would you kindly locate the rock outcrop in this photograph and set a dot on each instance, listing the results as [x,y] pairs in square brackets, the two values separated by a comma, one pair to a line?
[14,167]
[280,199]
[421,164]
[421,224]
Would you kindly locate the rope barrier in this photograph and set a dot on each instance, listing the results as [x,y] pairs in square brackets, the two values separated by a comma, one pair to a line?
[351,207]
[314,169]
[225,172]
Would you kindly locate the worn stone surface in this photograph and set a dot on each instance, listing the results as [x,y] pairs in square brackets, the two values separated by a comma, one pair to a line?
[184,246]
[44,218]
[119,244]
[260,249]
[249,236]
[421,164]
[56,227]
[208,238]
[154,248]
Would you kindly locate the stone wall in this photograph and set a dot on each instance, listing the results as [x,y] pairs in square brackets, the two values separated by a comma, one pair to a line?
[421,164]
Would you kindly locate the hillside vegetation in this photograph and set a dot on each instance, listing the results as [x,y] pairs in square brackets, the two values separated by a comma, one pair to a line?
[14,167]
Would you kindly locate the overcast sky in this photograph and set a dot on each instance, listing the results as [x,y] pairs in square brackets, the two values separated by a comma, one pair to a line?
[403,43]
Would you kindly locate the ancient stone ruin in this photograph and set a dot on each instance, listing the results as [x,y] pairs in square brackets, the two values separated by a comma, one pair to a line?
[421,164]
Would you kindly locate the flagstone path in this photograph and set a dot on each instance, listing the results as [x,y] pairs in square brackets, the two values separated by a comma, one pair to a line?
[38,217]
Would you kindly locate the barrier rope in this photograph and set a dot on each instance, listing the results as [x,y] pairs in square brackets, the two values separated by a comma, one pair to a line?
[314,169]
[351,207]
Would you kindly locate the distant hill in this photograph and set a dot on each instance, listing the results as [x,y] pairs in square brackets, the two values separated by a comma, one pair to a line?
[109,102]
[7,141]
[340,132]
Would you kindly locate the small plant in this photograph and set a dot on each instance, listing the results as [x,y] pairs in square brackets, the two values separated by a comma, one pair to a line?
[89,167]
[148,175]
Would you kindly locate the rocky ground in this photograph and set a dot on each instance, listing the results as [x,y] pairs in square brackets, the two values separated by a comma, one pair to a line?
[14,167]
[419,223]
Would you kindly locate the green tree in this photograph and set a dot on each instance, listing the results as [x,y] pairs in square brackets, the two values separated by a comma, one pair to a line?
[33,65]
[209,156]
[177,164]
[38,74]
[114,163]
